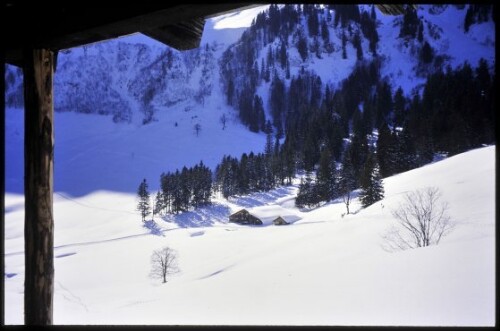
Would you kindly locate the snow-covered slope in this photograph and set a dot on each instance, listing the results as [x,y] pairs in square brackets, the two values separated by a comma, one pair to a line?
[229,27]
[444,31]
[94,154]
[323,269]
[129,68]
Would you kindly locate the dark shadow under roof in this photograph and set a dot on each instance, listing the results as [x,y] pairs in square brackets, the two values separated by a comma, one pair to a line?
[55,26]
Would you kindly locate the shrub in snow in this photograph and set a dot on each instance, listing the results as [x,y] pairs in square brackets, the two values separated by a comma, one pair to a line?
[422,220]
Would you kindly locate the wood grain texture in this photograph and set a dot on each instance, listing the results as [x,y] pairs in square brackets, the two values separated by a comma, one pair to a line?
[38,186]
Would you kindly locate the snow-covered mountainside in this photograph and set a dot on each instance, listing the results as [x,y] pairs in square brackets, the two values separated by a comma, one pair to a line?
[136,80]
[323,269]
[132,77]
[93,153]
[443,29]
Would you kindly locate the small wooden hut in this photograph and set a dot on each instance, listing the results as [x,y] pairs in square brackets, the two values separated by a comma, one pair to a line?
[280,221]
[244,217]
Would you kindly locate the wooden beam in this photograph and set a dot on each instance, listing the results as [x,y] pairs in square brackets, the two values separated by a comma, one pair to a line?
[394,9]
[38,186]
[55,26]
[181,36]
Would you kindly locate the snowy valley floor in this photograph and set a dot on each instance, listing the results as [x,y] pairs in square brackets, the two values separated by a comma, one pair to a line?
[323,269]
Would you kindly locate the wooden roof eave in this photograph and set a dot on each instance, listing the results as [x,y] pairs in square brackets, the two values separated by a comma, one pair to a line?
[58,28]
[182,36]
[50,25]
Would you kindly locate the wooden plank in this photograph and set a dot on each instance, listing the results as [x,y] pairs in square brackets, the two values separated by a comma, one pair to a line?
[38,187]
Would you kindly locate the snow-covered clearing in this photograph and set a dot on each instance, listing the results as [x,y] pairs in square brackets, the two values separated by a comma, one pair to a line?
[323,269]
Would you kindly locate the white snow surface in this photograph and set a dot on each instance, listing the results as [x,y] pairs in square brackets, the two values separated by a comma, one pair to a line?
[238,19]
[323,269]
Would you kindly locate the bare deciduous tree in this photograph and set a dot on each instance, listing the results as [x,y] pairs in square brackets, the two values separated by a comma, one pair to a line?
[422,221]
[163,263]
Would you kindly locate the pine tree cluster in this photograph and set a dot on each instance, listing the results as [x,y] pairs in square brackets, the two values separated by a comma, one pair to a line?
[185,189]
[255,172]
[359,168]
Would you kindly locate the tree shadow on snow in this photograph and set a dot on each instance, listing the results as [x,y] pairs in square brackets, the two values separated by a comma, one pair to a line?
[201,217]
[262,198]
[153,228]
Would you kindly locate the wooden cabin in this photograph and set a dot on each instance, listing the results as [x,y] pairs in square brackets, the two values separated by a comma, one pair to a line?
[244,217]
[280,221]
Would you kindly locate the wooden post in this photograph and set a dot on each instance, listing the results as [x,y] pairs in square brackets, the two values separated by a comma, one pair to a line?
[38,186]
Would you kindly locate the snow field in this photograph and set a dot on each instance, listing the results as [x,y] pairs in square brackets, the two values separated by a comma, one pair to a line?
[323,269]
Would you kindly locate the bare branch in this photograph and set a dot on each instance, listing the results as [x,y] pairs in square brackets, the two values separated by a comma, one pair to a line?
[163,263]
[422,221]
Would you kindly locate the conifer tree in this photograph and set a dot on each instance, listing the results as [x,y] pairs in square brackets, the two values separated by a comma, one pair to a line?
[302,47]
[347,180]
[325,176]
[325,33]
[405,151]
[307,195]
[410,23]
[385,145]
[344,44]
[420,36]
[283,55]
[372,189]
[399,107]
[277,100]
[144,205]
[373,15]
[158,208]
[427,53]
[357,44]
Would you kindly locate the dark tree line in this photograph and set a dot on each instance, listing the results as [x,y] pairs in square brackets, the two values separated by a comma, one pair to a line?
[359,169]
[193,187]
[457,109]
[185,189]
[454,114]
[255,172]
